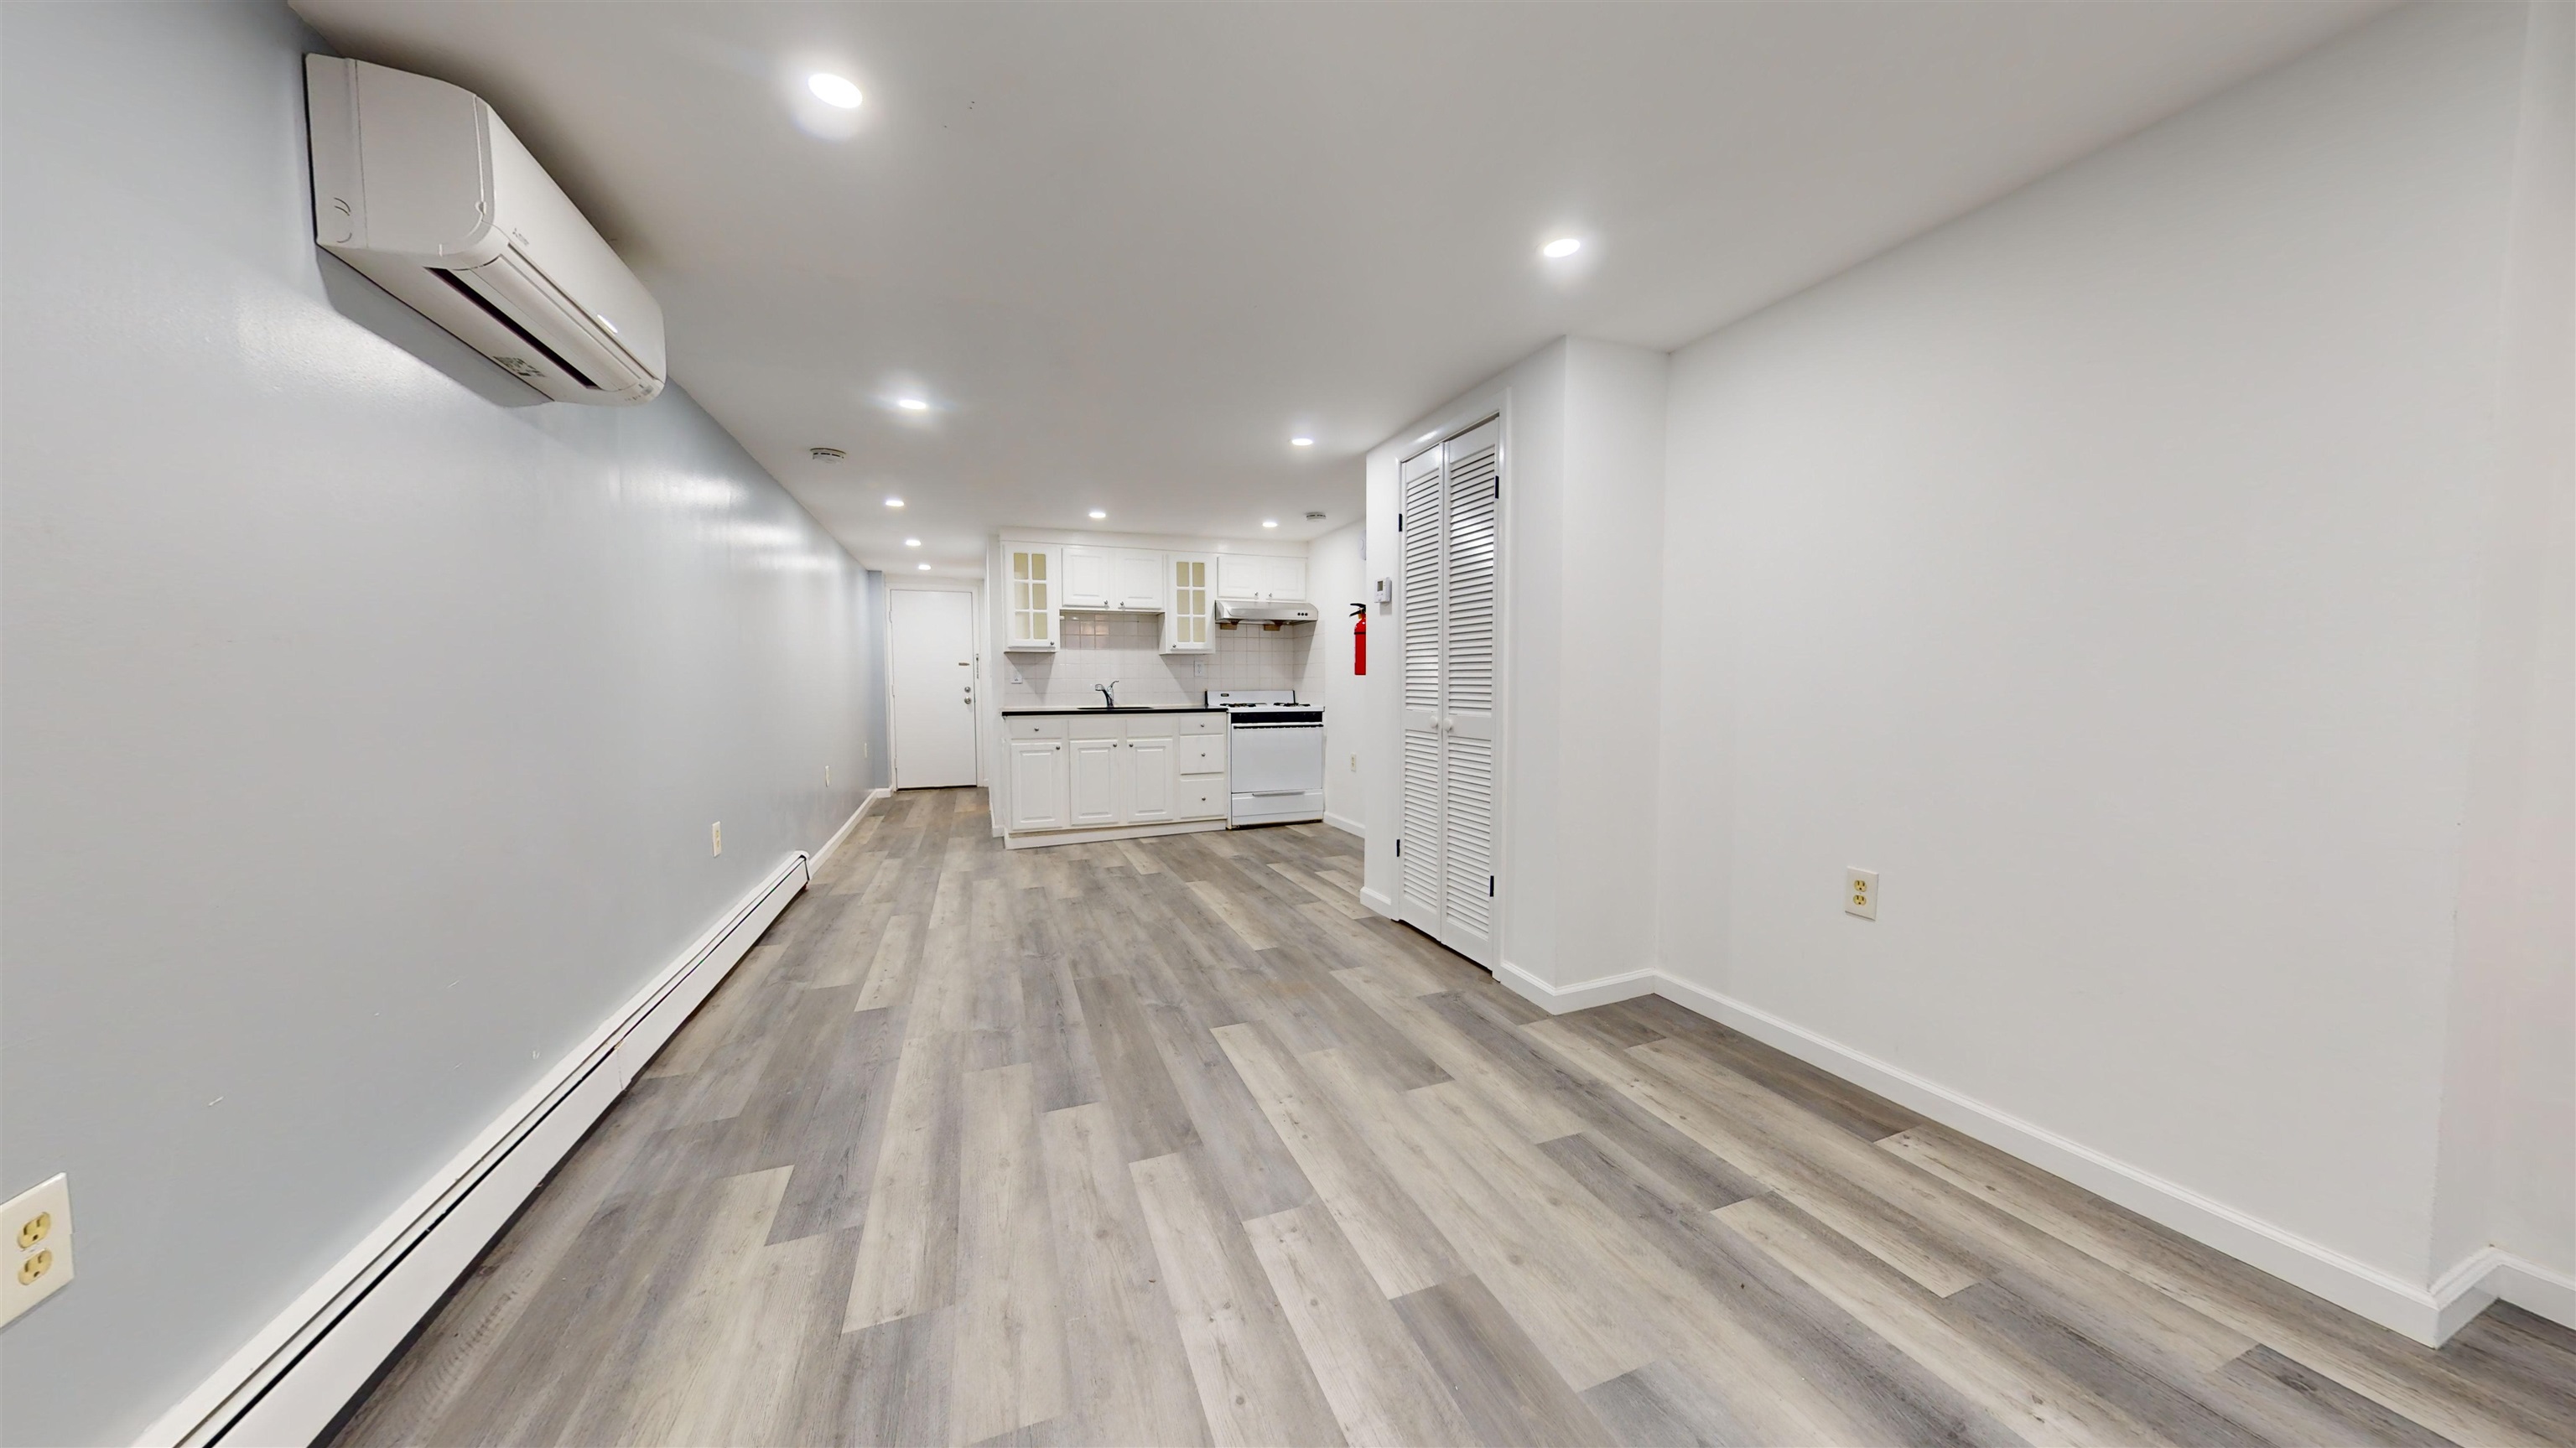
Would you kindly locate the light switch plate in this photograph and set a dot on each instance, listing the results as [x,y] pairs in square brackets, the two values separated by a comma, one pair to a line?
[39,1227]
[1860,893]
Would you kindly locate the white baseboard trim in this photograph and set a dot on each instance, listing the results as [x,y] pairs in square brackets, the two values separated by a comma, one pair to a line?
[1583,994]
[1382,904]
[2492,1274]
[2335,1276]
[1041,839]
[298,1373]
[823,856]
[1346,824]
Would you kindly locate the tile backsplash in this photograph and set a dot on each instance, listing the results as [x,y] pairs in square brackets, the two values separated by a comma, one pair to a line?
[1098,647]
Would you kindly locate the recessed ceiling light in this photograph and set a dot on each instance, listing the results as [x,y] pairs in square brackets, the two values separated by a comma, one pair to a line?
[832,90]
[912,404]
[911,542]
[1301,442]
[1099,513]
[1562,246]
[1269,522]
[894,502]
[925,568]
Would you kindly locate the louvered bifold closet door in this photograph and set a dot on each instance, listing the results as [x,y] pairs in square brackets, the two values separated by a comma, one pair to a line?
[1471,573]
[1420,611]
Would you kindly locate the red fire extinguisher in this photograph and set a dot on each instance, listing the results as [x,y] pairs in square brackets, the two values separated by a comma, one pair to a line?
[1359,638]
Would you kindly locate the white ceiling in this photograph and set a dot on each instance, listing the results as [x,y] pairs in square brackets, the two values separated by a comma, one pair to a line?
[1126,250]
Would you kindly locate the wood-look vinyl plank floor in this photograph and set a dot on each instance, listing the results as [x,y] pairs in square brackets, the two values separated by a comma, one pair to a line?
[1172,1141]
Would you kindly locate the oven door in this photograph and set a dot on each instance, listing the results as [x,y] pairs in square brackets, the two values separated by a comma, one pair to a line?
[1275,772]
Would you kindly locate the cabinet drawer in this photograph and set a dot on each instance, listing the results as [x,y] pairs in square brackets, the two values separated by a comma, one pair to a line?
[1025,727]
[1202,798]
[1202,754]
[1151,726]
[1201,723]
[1108,726]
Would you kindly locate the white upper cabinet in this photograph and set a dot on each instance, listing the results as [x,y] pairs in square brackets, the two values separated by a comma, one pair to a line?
[1139,576]
[1190,614]
[1033,573]
[1090,576]
[1257,576]
[1119,578]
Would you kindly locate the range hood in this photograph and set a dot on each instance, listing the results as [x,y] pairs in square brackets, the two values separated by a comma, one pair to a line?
[1266,610]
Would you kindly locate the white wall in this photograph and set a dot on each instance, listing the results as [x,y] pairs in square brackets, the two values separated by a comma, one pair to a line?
[1582,502]
[1608,683]
[365,714]
[2108,569]
[2509,1105]
[1337,576]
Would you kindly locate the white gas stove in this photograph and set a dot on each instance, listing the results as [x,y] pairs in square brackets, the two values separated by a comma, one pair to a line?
[1275,755]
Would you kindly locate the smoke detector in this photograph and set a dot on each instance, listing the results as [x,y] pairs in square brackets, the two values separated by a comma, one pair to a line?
[1314,517]
[827,454]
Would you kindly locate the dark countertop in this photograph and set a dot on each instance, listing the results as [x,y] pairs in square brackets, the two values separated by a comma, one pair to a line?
[1123,709]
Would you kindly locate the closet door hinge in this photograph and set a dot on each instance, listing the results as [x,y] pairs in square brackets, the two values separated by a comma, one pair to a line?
[1489,887]
[1399,847]
[1399,522]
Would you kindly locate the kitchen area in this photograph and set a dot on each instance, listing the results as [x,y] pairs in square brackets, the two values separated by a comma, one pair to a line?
[1148,685]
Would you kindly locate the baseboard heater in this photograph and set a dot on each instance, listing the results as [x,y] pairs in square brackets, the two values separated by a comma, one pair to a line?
[297,1377]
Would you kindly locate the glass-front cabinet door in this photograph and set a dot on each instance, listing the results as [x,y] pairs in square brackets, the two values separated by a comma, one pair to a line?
[1035,570]
[1188,622]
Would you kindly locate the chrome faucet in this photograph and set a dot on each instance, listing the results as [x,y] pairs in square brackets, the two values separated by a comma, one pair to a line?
[1108,694]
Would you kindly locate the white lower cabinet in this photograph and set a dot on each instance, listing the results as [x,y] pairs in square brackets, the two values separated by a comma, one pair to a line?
[1090,772]
[1198,766]
[1151,784]
[1037,784]
[1205,798]
[1095,782]
[1202,754]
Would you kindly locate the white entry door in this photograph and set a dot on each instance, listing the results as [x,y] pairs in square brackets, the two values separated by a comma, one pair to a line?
[931,633]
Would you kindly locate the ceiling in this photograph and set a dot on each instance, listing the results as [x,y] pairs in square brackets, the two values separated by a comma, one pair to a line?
[1125,251]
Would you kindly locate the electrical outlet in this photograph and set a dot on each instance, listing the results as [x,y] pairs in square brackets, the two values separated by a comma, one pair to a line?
[1860,893]
[40,1256]
[1015,677]
[1198,668]
[715,837]
[1355,764]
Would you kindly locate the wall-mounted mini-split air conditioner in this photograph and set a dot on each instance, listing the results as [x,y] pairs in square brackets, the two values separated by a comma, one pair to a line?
[417,184]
